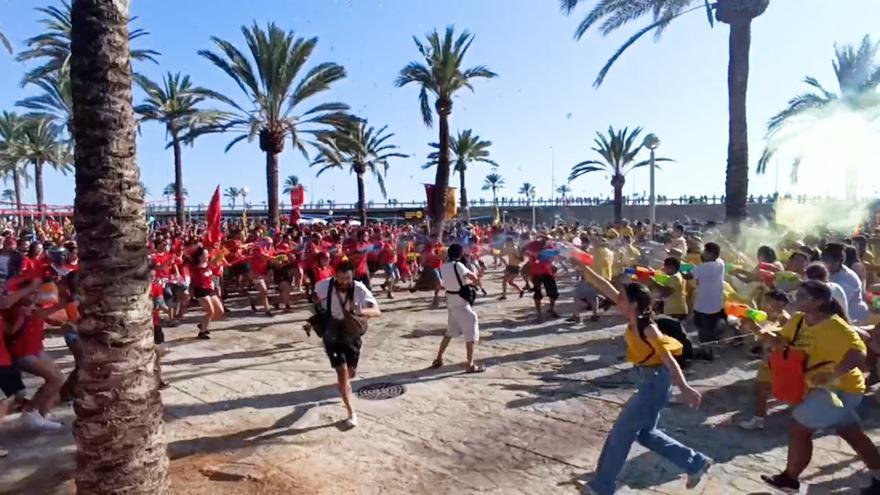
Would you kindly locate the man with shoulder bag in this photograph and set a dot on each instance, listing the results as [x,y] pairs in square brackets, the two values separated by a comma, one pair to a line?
[345,305]
[461,292]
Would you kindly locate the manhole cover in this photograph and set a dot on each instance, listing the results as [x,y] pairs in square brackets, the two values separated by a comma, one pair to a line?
[380,391]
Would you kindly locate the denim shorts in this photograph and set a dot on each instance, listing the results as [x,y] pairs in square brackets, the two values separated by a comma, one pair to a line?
[818,412]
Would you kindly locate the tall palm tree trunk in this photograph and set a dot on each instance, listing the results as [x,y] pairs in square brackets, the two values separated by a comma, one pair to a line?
[272,188]
[465,207]
[494,196]
[38,186]
[16,184]
[119,429]
[362,199]
[617,182]
[441,180]
[737,185]
[179,204]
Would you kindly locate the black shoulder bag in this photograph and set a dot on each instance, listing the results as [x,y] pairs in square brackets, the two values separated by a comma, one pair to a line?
[467,292]
[321,319]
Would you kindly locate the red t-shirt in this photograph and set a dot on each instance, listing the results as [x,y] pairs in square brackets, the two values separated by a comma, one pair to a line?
[29,339]
[430,256]
[260,261]
[203,278]
[5,358]
[322,272]
[386,254]
[358,258]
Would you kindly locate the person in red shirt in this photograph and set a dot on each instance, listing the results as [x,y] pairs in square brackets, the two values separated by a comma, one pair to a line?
[543,275]
[24,324]
[387,259]
[404,264]
[203,290]
[261,255]
[322,270]
[356,251]
[11,383]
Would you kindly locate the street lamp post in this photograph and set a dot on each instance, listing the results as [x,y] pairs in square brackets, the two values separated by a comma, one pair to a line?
[652,142]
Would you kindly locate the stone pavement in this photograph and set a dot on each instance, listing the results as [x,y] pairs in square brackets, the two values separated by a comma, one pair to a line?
[260,393]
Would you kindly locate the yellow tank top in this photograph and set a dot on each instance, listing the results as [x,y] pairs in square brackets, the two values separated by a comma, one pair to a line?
[647,353]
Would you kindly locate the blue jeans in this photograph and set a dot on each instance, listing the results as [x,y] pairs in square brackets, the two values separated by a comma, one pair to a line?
[638,422]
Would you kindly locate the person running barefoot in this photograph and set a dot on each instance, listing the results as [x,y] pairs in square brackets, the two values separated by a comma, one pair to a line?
[461,317]
[512,269]
[652,354]
[342,294]
[203,290]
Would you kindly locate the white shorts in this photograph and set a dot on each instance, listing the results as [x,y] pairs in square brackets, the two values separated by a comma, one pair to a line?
[463,322]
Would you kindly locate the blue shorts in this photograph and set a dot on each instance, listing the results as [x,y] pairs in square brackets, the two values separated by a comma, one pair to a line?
[817,412]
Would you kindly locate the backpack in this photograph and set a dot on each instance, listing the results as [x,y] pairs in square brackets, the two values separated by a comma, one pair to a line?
[788,370]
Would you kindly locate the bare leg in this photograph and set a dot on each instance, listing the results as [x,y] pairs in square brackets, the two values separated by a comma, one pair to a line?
[800,450]
[762,395]
[284,293]
[863,446]
[217,308]
[47,395]
[469,348]
[343,383]
[443,345]
[207,308]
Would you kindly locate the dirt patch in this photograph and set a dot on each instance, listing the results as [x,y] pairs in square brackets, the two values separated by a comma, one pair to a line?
[203,475]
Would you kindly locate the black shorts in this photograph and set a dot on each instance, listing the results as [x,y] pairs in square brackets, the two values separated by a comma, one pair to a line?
[511,270]
[158,335]
[200,292]
[10,380]
[239,269]
[344,352]
[707,325]
[549,283]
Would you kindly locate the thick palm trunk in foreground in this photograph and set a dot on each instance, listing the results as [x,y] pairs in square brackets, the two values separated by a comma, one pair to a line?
[118,429]
[737,185]
[441,180]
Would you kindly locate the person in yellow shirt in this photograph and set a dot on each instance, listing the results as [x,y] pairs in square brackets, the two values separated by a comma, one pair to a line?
[653,355]
[672,292]
[603,258]
[835,351]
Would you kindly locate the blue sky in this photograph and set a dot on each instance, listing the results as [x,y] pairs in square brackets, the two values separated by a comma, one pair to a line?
[542,99]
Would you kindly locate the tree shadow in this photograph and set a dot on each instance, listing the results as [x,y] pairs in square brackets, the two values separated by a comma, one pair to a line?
[202,360]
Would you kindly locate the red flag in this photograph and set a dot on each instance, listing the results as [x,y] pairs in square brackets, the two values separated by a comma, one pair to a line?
[212,234]
[297,196]
[429,192]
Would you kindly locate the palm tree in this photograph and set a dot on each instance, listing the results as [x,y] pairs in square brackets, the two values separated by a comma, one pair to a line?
[493,182]
[274,96]
[527,190]
[8,196]
[364,149]
[618,152]
[175,105]
[118,429]
[442,75]
[858,77]
[563,190]
[11,130]
[145,188]
[466,148]
[5,42]
[291,183]
[55,102]
[41,144]
[232,193]
[170,191]
[52,45]
[738,14]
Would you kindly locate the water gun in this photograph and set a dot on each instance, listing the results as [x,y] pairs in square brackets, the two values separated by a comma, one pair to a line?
[686,267]
[661,278]
[743,311]
[729,267]
[787,281]
[873,299]
[579,255]
[640,273]
[547,254]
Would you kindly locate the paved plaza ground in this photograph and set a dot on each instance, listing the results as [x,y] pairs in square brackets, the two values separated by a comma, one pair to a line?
[255,410]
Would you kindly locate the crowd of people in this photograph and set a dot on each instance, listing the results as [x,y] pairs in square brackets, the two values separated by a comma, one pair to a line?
[806,305]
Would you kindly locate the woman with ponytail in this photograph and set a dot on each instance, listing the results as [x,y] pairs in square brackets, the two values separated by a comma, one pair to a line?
[653,355]
[835,384]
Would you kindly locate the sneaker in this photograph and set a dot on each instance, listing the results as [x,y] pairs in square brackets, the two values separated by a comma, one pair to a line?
[32,420]
[782,482]
[756,423]
[352,421]
[3,453]
[694,479]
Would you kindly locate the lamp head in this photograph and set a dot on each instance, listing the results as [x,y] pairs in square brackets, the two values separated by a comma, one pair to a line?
[651,141]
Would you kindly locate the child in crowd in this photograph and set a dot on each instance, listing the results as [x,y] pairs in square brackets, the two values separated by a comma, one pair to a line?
[709,300]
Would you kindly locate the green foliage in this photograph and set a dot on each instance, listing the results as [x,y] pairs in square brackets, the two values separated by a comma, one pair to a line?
[175,104]
[618,151]
[290,183]
[466,148]
[493,182]
[359,146]
[527,190]
[169,191]
[441,74]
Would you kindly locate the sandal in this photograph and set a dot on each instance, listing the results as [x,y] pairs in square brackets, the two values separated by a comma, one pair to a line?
[203,336]
[476,369]
[438,363]
[782,481]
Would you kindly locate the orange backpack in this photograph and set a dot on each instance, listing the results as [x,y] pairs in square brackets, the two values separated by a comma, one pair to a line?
[788,369]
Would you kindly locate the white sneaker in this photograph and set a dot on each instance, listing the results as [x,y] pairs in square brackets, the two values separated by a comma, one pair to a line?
[34,421]
[3,453]
[352,421]
[756,423]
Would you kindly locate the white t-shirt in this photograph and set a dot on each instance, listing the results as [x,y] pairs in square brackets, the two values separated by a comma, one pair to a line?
[361,299]
[839,295]
[852,287]
[710,286]
[450,283]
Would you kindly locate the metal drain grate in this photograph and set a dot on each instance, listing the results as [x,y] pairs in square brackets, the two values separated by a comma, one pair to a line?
[380,391]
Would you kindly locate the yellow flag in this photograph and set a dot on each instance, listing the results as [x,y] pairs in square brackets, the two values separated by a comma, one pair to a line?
[451,203]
